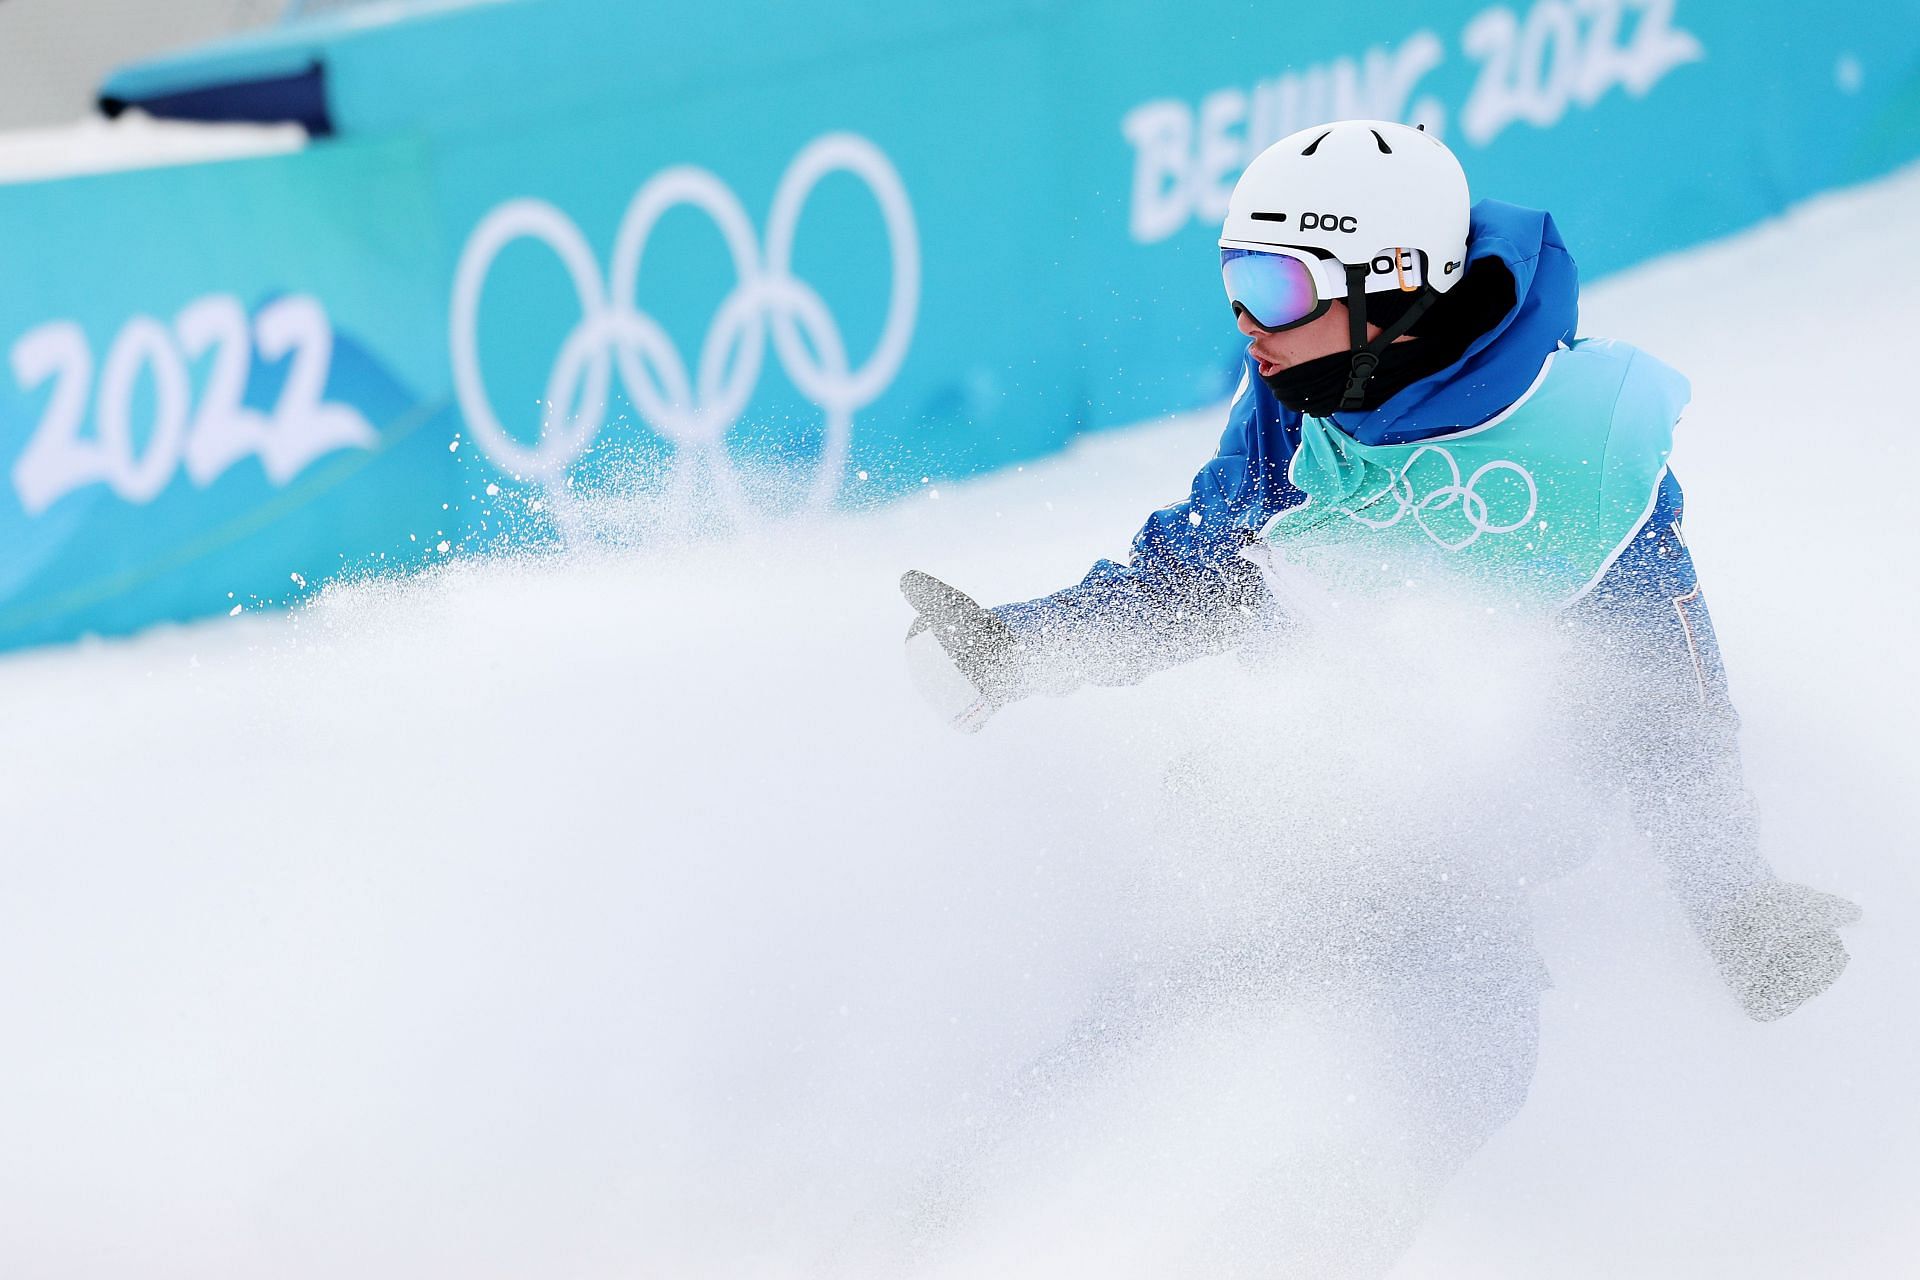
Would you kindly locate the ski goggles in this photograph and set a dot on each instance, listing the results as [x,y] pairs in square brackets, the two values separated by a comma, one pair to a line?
[1280,288]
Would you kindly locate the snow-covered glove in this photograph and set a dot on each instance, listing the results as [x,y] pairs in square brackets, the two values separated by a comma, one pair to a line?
[1778,946]
[963,658]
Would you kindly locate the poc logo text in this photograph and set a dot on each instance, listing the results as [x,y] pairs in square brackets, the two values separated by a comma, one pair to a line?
[1328,222]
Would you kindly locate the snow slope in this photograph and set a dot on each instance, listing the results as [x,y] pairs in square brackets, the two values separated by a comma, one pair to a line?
[620,912]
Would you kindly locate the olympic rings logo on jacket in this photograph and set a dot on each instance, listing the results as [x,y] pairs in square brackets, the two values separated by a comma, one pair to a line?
[1473,505]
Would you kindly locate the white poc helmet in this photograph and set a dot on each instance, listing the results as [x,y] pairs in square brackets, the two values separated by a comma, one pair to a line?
[1359,190]
[1340,212]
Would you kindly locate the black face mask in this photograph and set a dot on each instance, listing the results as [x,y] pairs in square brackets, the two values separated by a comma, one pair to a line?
[1314,387]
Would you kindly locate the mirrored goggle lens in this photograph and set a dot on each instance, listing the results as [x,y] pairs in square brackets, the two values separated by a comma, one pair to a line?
[1275,289]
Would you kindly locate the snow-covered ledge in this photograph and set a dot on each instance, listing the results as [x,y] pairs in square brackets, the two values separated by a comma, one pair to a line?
[134,141]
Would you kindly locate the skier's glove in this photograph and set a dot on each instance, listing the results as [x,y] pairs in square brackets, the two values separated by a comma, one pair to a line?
[1778,946]
[963,658]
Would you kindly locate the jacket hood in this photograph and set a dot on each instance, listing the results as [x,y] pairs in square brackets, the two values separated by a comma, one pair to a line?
[1503,361]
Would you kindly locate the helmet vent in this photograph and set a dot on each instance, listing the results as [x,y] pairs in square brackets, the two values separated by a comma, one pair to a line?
[1315,144]
[1385,150]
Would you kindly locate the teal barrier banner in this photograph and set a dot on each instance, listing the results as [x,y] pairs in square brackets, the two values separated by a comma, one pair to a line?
[738,259]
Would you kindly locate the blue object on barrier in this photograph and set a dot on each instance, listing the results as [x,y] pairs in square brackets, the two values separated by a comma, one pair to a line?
[298,97]
[556,245]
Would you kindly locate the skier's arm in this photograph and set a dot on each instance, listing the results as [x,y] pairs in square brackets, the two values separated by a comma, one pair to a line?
[1668,733]
[1668,723]
[1184,591]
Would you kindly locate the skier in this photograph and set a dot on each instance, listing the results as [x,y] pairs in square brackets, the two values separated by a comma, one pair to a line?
[1413,395]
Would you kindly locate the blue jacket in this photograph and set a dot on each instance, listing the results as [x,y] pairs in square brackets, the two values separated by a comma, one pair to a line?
[1185,558]
[1668,731]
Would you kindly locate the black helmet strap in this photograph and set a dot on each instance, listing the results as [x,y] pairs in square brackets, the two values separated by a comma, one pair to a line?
[1366,355]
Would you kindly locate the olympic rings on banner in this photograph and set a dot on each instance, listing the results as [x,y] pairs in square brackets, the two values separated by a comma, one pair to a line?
[692,408]
[1473,506]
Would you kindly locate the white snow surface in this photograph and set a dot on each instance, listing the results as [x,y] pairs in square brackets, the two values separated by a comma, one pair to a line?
[620,912]
[135,140]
